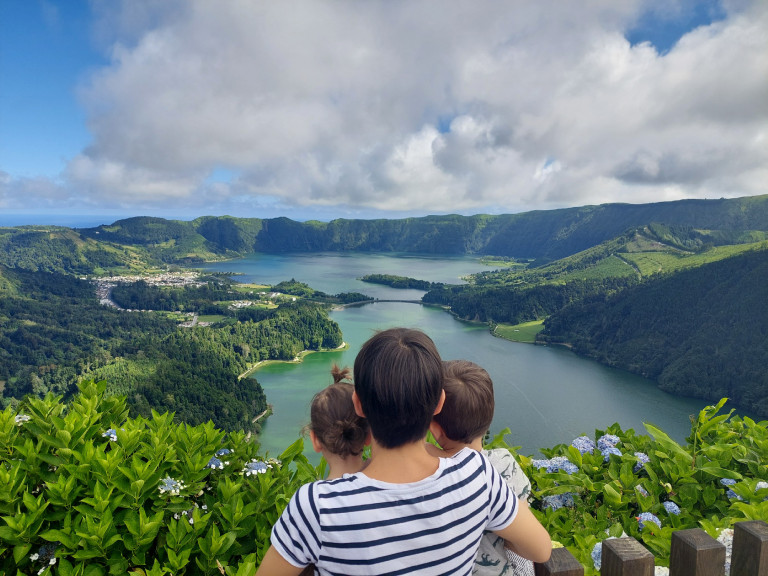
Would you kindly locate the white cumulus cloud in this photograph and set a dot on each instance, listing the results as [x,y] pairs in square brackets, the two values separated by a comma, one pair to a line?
[419,106]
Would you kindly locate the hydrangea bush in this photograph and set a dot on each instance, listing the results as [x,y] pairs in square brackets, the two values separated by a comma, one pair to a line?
[85,490]
[647,486]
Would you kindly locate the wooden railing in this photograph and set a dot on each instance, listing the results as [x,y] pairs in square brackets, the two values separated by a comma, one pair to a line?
[693,553]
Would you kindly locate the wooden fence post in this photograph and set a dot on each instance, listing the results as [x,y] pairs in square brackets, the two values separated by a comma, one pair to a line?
[750,549]
[561,563]
[696,553]
[626,557]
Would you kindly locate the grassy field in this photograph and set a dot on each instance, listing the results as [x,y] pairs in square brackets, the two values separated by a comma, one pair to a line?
[525,332]
[655,262]
[502,262]
[611,267]
[250,288]
[211,318]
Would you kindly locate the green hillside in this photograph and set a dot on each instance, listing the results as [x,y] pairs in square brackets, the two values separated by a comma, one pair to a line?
[58,249]
[702,332]
[541,235]
[141,243]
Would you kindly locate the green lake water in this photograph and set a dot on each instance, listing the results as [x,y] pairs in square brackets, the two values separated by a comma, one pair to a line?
[544,395]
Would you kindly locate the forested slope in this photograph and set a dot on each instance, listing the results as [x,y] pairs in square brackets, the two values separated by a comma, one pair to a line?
[53,332]
[701,332]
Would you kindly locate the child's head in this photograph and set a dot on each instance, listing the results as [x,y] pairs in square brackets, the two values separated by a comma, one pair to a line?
[333,420]
[399,382]
[468,408]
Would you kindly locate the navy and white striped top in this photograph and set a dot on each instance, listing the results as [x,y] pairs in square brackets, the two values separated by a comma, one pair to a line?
[356,525]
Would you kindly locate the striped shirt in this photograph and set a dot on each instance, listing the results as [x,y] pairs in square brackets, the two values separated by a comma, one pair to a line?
[359,526]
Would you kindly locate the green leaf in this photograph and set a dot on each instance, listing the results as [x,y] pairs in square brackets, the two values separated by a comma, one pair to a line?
[669,445]
[65,567]
[292,451]
[20,551]
[94,570]
[55,535]
[612,497]
[131,521]
[718,472]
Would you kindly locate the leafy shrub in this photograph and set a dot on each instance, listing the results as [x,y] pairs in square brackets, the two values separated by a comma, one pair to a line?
[620,483]
[86,491]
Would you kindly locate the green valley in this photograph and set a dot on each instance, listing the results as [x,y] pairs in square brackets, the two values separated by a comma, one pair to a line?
[575,271]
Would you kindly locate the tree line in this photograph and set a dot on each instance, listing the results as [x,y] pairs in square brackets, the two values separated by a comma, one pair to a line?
[395,281]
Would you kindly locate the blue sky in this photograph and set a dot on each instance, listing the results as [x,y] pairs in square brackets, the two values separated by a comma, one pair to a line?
[182,108]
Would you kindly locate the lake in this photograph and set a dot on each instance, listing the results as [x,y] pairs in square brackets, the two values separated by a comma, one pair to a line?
[544,395]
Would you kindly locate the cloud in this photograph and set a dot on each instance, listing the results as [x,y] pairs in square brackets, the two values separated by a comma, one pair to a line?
[408,107]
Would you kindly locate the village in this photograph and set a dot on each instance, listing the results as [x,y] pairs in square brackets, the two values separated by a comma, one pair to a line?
[105,285]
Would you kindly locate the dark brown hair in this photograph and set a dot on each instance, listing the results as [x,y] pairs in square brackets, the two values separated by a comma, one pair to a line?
[398,379]
[468,408]
[333,418]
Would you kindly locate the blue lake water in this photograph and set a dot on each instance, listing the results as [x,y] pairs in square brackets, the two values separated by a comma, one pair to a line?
[544,395]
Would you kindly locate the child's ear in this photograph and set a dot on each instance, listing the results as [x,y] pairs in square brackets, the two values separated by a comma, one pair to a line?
[437,431]
[440,403]
[316,445]
[358,406]
[368,438]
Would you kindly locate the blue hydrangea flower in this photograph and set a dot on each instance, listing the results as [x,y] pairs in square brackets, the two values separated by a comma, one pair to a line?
[583,444]
[607,441]
[671,508]
[557,501]
[606,452]
[641,489]
[556,464]
[647,517]
[171,486]
[45,555]
[730,493]
[111,434]
[597,555]
[256,467]
[223,452]
[642,458]
[216,464]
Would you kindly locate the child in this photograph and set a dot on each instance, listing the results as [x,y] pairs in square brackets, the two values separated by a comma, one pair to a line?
[408,512]
[463,421]
[335,430]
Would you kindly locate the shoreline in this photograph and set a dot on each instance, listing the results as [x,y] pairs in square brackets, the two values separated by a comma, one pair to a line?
[294,360]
